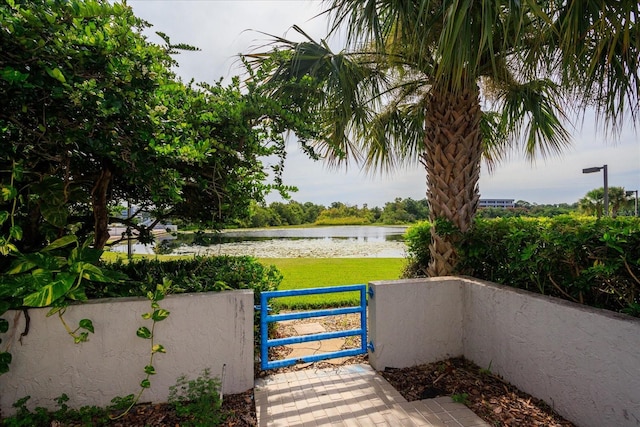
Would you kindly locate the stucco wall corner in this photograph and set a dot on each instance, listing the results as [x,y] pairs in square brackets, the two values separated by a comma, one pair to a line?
[414,321]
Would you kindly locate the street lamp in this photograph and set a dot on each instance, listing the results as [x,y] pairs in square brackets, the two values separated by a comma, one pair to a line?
[630,193]
[606,185]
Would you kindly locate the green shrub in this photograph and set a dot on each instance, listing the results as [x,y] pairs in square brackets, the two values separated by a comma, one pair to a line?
[417,238]
[581,259]
[198,274]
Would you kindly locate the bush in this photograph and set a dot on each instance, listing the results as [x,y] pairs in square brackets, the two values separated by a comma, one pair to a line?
[417,238]
[581,259]
[198,274]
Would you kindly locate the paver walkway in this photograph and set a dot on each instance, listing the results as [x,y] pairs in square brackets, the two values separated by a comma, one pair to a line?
[350,395]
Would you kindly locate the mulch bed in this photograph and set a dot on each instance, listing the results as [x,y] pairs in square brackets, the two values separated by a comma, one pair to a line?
[489,396]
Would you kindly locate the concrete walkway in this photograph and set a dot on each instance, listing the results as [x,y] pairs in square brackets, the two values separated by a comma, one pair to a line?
[350,395]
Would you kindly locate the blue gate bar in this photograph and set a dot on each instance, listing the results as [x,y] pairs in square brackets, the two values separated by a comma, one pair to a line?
[310,291]
[316,313]
[314,337]
[314,358]
[266,318]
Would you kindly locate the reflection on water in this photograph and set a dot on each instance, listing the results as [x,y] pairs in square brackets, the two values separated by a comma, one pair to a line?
[356,232]
[324,235]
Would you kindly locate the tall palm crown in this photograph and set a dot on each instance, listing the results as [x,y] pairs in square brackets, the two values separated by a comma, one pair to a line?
[443,82]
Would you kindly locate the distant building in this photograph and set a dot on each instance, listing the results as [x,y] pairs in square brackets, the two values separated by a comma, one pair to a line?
[497,203]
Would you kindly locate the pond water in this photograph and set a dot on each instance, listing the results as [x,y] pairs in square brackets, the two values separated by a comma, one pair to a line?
[317,242]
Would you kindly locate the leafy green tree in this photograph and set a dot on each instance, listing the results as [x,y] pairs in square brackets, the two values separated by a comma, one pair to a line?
[617,200]
[402,211]
[311,212]
[412,84]
[92,117]
[593,202]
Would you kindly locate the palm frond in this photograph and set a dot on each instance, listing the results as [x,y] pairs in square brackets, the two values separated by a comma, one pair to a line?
[395,136]
[496,145]
[532,115]
[599,41]
[342,89]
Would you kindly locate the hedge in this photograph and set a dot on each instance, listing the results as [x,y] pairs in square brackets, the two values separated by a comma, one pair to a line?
[198,274]
[581,259]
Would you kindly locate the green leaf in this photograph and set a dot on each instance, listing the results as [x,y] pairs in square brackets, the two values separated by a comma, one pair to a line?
[144,332]
[20,266]
[87,254]
[77,294]
[8,193]
[5,361]
[158,348]
[4,215]
[145,383]
[83,337]
[146,316]
[4,326]
[149,370]
[16,232]
[50,293]
[7,248]
[56,74]
[55,215]
[160,315]
[86,324]
[60,243]
[91,272]
[44,261]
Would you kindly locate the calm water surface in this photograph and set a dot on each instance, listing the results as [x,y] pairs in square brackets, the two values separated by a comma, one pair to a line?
[359,234]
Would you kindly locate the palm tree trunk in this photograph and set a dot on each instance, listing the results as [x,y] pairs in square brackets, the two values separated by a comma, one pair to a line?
[453,145]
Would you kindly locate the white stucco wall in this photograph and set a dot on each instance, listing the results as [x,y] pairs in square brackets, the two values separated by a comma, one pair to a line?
[582,361]
[206,330]
[411,323]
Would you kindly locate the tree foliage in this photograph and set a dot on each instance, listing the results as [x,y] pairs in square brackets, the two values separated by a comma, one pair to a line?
[593,202]
[93,116]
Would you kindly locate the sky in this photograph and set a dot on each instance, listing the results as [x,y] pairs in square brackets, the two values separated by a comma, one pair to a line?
[222,29]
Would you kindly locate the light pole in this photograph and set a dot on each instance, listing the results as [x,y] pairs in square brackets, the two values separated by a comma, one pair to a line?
[630,193]
[606,185]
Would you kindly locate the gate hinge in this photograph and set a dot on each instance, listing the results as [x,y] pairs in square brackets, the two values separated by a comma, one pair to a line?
[371,347]
[370,292]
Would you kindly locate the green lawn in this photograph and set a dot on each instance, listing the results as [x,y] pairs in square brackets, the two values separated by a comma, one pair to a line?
[321,272]
[316,273]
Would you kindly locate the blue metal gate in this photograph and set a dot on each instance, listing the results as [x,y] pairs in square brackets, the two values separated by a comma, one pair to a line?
[266,318]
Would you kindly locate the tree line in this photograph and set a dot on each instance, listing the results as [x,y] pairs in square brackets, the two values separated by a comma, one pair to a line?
[408,211]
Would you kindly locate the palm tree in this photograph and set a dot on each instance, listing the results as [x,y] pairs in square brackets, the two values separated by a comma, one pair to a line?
[593,202]
[617,200]
[444,82]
